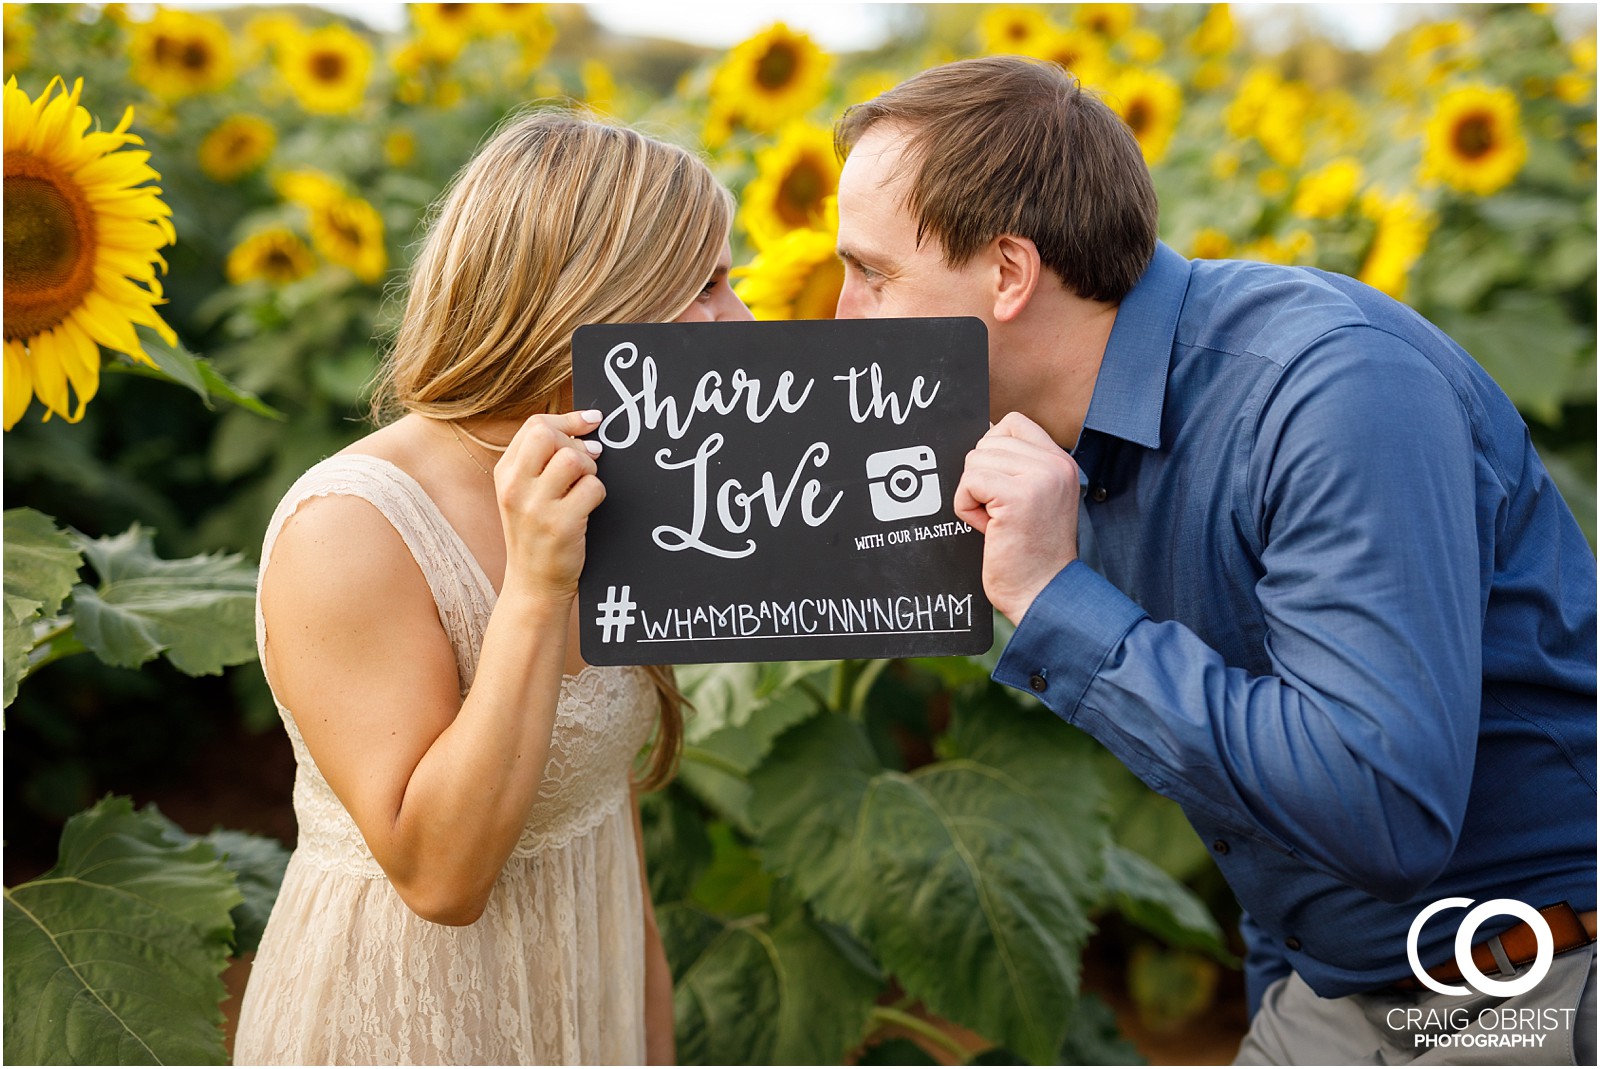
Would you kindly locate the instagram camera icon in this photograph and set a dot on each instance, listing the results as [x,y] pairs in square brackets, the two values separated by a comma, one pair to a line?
[903,483]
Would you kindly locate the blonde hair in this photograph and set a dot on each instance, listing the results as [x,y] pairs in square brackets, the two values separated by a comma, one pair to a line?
[558,221]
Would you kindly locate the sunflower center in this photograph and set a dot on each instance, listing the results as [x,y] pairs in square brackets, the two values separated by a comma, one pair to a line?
[1473,136]
[1138,117]
[167,51]
[49,246]
[195,56]
[328,66]
[777,66]
[279,264]
[1016,32]
[801,193]
[345,231]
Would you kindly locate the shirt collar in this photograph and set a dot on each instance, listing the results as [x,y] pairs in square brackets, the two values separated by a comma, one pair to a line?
[1131,387]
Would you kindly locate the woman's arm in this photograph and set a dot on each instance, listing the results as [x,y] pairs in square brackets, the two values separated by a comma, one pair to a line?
[440,786]
[659,1026]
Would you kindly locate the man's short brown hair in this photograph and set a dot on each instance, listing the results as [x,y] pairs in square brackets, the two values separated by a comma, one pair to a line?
[1007,145]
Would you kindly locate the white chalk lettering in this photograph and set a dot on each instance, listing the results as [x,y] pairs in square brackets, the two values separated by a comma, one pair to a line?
[642,408]
[878,403]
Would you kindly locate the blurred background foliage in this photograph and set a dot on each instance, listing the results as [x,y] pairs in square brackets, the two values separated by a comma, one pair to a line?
[1452,167]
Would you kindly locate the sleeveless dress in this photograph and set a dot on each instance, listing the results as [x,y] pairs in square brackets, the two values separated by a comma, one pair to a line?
[553,972]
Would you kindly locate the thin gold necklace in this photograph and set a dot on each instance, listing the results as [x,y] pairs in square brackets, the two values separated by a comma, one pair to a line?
[476,462]
[490,446]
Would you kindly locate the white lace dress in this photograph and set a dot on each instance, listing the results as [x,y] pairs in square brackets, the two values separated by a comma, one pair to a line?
[553,972]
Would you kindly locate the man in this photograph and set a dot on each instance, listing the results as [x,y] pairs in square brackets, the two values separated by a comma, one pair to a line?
[1332,603]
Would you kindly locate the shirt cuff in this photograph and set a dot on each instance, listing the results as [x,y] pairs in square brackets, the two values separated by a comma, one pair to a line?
[1066,635]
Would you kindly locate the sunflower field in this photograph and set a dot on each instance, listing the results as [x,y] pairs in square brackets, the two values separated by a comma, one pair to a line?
[208,217]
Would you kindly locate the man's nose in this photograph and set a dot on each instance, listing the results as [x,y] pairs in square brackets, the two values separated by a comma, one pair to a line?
[849,306]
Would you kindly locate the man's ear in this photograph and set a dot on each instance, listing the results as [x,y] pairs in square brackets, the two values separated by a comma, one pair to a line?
[1016,260]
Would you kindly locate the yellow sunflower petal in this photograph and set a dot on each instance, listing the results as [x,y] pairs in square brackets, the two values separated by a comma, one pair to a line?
[80,360]
[18,383]
[49,374]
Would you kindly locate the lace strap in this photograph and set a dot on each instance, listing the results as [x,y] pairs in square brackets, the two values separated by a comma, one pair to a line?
[460,590]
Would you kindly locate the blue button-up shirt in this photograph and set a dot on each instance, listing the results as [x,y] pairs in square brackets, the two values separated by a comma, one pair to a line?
[1336,609]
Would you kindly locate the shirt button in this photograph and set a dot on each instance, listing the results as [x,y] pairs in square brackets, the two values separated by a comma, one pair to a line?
[1098,493]
[1038,683]
[1220,846]
[1292,943]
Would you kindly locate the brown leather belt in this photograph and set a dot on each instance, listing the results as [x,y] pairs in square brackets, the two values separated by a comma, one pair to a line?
[1569,928]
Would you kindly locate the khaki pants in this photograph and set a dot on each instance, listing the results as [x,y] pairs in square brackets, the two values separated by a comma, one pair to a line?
[1554,1024]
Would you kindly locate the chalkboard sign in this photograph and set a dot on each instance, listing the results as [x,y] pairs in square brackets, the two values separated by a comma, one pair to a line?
[782,491]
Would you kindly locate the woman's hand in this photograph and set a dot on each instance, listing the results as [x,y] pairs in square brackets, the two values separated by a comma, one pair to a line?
[546,487]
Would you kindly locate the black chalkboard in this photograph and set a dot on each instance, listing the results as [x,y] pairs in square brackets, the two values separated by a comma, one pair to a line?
[782,491]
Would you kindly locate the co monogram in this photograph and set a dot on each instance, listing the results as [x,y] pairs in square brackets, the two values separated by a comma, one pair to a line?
[1469,928]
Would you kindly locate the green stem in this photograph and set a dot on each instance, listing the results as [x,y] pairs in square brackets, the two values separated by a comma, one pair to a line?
[863,685]
[53,645]
[844,682]
[901,1019]
[713,760]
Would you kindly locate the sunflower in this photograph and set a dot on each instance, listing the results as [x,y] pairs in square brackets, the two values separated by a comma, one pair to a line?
[1210,244]
[18,36]
[1328,191]
[399,147]
[1149,102]
[1474,141]
[327,70]
[349,232]
[1013,29]
[445,27]
[529,23]
[1142,46]
[1215,34]
[794,179]
[1273,183]
[1106,21]
[309,187]
[269,35]
[796,276]
[1078,52]
[275,255]
[179,53]
[599,87]
[1273,111]
[870,84]
[1297,247]
[1399,240]
[238,145]
[775,76]
[81,233]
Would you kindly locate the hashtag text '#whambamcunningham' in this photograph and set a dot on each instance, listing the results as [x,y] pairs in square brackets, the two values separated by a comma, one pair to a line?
[810,617]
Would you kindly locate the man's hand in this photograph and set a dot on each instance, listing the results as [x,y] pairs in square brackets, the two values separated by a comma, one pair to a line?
[1021,490]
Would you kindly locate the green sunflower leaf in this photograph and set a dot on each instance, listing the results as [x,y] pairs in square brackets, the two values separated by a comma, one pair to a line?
[178,365]
[971,879]
[198,612]
[42,563]
[41,560]
[114,956]
[754,992]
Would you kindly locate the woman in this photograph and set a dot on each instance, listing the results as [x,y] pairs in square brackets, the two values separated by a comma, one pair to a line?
[468,884]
